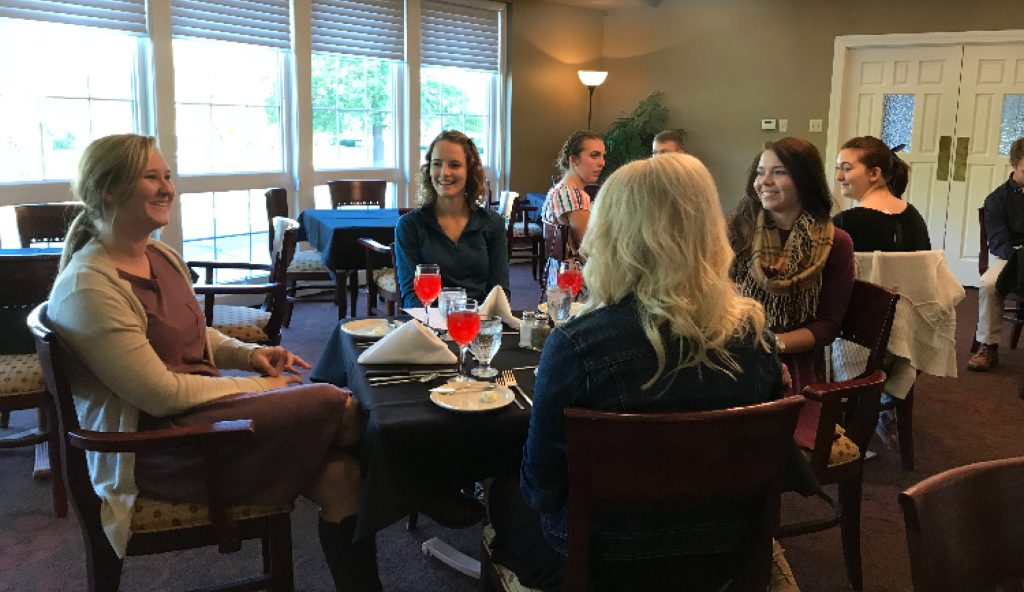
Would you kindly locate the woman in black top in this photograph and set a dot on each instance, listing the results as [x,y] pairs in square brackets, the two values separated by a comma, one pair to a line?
[869,172]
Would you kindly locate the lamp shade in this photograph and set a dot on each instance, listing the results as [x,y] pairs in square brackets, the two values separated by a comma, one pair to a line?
[592,77]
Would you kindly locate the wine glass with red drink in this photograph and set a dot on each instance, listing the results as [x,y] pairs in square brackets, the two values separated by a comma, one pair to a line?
[463,325]
[570,276]
[427,285]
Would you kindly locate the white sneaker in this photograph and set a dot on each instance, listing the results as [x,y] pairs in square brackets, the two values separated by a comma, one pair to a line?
[782,579]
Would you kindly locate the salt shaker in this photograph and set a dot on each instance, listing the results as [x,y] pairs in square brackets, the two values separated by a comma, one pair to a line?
[539,331]
[525,328]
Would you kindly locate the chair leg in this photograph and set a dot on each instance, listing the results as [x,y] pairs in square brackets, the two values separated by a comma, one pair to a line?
[1018,324]
[849,523]
[280,552]
[103,565]
[5,419]
[413,522]
[353,290]
[60,493]
[905,429]
[974,346]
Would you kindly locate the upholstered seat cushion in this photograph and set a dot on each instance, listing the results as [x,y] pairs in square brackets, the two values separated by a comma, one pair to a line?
[385,279]
[241,322]
[533,229]
[508,579]
[158,516]
[20,373]
[307,262]
[843,449]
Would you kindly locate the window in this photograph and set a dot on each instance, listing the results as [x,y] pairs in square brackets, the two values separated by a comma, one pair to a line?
[453,98]
[229,107]
[353,112]
[62,86]
[227,226]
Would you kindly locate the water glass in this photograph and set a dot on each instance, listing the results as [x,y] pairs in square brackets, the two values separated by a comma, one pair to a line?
[486,345]
[559,304]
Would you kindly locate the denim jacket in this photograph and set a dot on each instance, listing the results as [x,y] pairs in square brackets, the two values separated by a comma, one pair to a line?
[477,262]
[600,361]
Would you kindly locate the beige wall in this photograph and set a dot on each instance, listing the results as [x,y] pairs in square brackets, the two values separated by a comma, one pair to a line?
[723,64]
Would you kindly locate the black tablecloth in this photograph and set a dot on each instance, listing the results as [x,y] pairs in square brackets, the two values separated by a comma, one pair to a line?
[412,449]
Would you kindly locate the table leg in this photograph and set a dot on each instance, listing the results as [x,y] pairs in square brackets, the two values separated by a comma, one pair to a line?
[353,289]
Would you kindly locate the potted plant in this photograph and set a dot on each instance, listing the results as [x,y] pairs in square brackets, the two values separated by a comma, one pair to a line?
[629,137]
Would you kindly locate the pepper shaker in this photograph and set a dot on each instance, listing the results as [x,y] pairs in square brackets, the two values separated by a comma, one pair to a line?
[525,328]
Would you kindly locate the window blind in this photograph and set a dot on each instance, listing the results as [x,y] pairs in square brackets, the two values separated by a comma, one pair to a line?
[460,36]
[368,28]
[121,15]
[257,22]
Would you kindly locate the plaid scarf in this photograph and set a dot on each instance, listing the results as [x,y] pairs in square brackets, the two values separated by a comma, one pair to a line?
[786,279]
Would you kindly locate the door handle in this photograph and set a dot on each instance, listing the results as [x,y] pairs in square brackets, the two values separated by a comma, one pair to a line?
[960,159]
[942,168]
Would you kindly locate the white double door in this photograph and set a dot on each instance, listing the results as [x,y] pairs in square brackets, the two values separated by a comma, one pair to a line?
[957,107]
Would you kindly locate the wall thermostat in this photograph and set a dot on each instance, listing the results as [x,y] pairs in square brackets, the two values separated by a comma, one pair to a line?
[767,124]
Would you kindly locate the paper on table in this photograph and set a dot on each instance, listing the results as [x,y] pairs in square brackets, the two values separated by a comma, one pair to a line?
[436,322]
[497,304]
[412,343]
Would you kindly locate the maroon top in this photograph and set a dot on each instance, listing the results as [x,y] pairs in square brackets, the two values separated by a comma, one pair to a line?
[177,326]
[809,367]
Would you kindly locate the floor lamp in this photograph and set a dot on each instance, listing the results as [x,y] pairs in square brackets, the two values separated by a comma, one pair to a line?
[591,79]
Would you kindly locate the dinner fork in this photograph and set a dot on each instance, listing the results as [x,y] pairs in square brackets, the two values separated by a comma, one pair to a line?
[500,381]
[508,379]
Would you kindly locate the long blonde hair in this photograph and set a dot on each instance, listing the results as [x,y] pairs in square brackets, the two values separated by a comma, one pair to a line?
[109,168]
[657,232]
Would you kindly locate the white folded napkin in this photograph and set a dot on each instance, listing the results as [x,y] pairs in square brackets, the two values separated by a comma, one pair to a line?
[420,315]
[496,304]
[412,343]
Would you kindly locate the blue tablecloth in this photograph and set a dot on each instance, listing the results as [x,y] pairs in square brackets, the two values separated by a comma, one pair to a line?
[31,251]
[413,450]
[335,233]
[537,200]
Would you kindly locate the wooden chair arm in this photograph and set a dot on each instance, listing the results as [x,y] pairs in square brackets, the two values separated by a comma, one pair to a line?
[210,266]
[211,435]
[203,289]
[839,400]
[375,246]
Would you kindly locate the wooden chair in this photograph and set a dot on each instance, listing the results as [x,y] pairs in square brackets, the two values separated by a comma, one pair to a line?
[1014,311]
[557,246]
[44,223]
[965,528]
[306,266]
[854,404]
[618,459]
[26,283]
[357,193]
[253,325]
[215,524]
[524,238]
[381,280]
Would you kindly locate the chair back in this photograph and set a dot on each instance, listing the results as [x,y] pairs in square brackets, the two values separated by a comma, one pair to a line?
[54,360]
[687,458]
[868,321]
[357,193]
[983,247]
[26,282]
[556,241]
[46,222]
[277,207]
[965,527]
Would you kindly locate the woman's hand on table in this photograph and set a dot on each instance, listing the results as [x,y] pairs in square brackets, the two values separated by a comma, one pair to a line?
[277,362]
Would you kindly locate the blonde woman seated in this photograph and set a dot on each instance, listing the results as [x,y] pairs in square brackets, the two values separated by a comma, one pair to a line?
[144,359]
[664,330]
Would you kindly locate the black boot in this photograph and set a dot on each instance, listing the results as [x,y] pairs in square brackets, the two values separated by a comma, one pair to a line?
[353,565]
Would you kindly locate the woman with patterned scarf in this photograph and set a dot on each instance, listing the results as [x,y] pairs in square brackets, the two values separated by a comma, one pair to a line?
[791,259]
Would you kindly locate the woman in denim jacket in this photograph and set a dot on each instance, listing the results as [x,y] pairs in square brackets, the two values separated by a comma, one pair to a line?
[664,330]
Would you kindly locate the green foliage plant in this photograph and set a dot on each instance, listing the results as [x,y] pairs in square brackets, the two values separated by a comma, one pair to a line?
[629,137]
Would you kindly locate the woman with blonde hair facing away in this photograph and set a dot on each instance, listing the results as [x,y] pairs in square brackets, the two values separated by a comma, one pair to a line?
[791,259]
[451,228]
[581,161]
[144,359]
[664,330]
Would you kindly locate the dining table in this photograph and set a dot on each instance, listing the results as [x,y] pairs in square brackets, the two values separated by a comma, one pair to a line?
[336,233]
[412,450]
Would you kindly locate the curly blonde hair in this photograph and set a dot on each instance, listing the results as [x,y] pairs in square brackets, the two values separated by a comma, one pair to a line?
[674,259]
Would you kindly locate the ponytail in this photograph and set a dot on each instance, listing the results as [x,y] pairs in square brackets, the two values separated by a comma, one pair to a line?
[81,231]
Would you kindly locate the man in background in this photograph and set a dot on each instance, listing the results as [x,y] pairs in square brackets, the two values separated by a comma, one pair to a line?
[668,141]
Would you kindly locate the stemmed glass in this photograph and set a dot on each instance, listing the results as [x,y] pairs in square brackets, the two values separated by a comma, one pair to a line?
[570,276]
[486,345]
[427,285]
[463,325]
[448,295]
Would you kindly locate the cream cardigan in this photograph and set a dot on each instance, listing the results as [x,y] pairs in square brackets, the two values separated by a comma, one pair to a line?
[115,372]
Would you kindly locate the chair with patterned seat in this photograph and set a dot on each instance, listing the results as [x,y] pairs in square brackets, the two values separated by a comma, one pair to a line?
[382,283]
[525,238]
[159,526]
[306,270]
[26,283]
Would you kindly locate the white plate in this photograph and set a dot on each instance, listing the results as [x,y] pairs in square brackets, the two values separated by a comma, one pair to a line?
[469,400]
[574,308]
[369,328]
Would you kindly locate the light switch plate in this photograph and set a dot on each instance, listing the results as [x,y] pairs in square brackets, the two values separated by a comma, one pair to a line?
[783,125]
[815,125]
[767,124]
